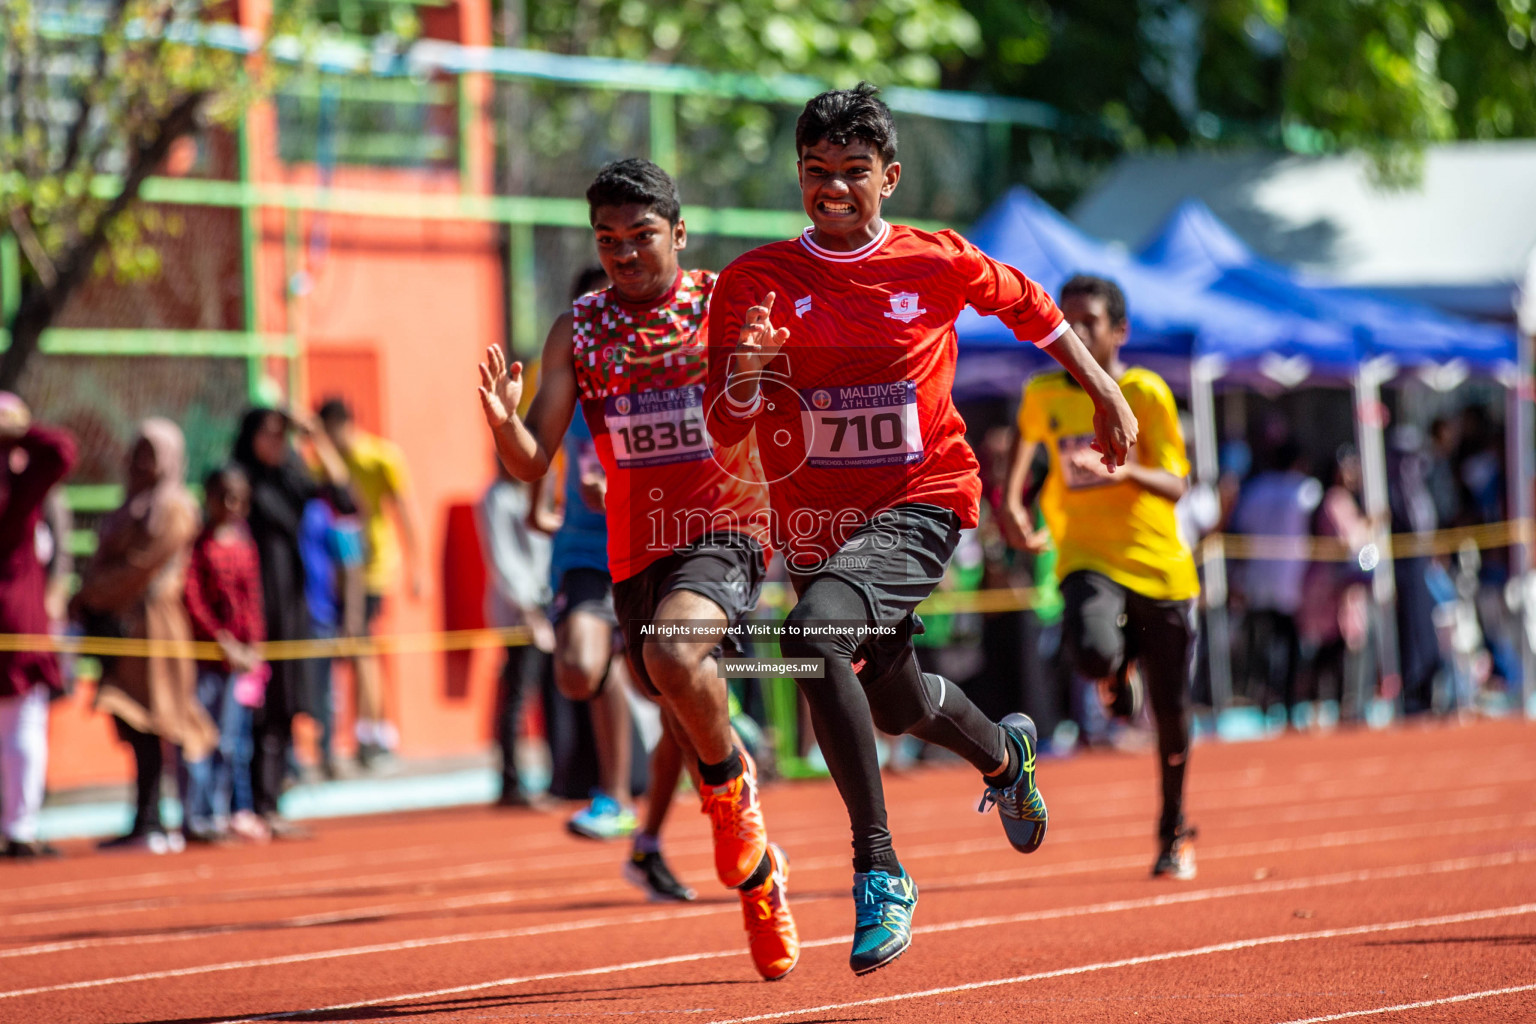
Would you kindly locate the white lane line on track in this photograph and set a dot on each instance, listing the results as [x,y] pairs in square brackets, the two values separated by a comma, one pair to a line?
[1327,840]
[204,872]
[813,863]
[1466,997]
[1111,907]
[1136,961]
[693,957]
[1208,787]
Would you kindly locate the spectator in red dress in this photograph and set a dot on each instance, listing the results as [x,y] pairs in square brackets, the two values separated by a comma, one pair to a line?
[223,597]
[33,458]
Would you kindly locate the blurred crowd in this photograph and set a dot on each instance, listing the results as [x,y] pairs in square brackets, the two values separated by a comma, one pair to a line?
[285,547]
[1302,559]
[306,527]
[1308,634]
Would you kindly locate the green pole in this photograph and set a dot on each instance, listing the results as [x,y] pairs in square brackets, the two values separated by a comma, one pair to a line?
[255,364]
[523,289]
[10,278]
[467,114]
[1000,147]
[664,131]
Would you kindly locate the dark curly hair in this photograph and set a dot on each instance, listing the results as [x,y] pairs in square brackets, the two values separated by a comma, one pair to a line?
[842,115]
[635,181]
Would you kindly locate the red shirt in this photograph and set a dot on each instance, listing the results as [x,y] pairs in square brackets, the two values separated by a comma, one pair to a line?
[640,374]
[223,590]
[23,581]
[857,414]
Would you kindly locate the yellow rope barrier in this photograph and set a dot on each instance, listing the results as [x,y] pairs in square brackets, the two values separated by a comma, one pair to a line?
[280,650]
[1234,547]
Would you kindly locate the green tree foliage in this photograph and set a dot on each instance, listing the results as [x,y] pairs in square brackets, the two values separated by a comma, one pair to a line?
[723,146]
[1384,76]
[893,42]
[96,95]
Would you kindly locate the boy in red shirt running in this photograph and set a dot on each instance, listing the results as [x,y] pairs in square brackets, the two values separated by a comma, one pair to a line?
[681,514]
[838,348]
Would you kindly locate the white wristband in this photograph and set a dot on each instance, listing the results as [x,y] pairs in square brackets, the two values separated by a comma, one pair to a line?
[749,408]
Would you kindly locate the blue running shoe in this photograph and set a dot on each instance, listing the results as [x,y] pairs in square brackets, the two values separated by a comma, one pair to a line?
[1020,805]
[882,928]
[603,818]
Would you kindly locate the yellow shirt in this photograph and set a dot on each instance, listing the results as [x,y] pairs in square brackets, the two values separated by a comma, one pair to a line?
[1113,526]
[378,472]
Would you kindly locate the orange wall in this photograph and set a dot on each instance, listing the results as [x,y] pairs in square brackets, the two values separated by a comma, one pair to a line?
[419,301]
[424,299]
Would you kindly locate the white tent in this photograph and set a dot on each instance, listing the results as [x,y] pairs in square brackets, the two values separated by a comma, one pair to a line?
[1461,239]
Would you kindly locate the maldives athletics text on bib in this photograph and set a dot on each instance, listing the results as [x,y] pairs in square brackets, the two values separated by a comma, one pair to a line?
[862,425]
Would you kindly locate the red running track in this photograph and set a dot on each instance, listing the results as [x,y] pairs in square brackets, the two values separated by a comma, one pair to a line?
[1366,876]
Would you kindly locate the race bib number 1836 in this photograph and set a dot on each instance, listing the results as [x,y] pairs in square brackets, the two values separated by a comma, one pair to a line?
[866,425]
[653,428]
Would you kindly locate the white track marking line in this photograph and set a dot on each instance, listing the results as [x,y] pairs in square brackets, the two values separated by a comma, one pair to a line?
[1423,1004]
[575,889]
[1111,907]
[1327,773]
[1327,840]
[1136,961]
[692,957]
[387,947]
[204,872]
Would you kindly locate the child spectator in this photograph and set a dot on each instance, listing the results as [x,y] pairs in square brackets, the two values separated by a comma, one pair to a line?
[332,549]
[223,597]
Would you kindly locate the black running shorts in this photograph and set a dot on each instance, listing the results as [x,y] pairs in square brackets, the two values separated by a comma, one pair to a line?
[895,561]
[726,568]
[584,590]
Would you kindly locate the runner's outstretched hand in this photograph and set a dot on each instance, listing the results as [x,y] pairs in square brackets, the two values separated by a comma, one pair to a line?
[759,342]
[1114,429]
[501,387]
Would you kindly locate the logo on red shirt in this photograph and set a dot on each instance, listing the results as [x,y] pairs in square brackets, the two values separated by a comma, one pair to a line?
[904,307]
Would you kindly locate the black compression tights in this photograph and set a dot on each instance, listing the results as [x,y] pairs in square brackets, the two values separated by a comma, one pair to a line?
[892,692]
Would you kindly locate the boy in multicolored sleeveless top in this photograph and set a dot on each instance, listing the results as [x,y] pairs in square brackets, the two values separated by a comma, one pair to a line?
[686,519]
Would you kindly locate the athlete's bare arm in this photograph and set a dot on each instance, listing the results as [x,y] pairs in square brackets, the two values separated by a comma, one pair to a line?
[1114,425]
[1018,526]
[527,449]
[1149,478]
[542,515]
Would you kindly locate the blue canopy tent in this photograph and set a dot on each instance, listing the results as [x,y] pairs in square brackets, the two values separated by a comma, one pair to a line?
[1172,321]
[1197,249]
[1189,335]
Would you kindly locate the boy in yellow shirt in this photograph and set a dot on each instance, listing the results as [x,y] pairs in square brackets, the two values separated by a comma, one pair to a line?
[381,485]
[1127,579]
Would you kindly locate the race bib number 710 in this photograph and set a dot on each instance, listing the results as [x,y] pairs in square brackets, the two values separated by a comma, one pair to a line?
[865,425]
[654,428]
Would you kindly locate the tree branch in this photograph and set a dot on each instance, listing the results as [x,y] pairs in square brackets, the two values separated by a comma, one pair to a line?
[32,246]
[87,101]
[38,309]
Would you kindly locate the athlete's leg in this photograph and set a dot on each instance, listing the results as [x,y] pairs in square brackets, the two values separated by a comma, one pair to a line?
[905,699]
[584,659]
[612,730]
[840,715]
[666,770]
[682,668]
[1093,641]
[1165,637]
[647,869]
[583,650]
